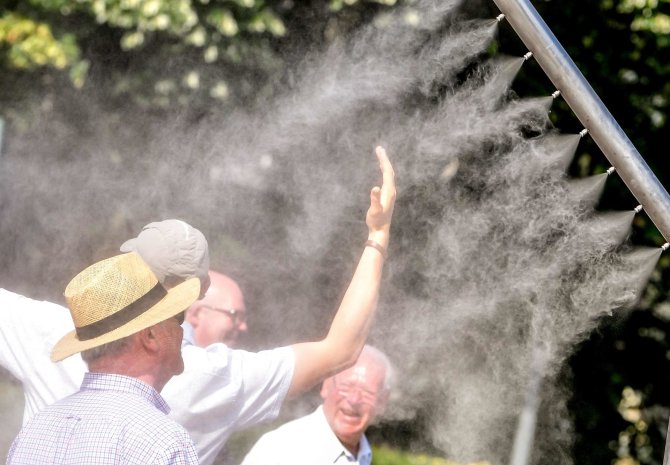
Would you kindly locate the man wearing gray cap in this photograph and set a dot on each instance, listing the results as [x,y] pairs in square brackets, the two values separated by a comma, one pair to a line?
[221,390]
[173,249]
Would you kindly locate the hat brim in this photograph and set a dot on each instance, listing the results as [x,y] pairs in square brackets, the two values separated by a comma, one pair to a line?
[177,300]
[129,246]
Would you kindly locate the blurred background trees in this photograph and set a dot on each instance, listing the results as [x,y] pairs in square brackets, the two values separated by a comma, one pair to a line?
[191,55]
[165,53]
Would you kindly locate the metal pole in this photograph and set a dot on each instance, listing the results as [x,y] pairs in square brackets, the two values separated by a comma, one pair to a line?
[525,430]
[2,130]
[590,110]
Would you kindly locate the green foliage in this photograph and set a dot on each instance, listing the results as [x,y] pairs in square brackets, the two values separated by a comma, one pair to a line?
[648,17]
[635,445]
[337,5]
[204,41]
[161,53]
[30,44]
[650,31]
[383,455]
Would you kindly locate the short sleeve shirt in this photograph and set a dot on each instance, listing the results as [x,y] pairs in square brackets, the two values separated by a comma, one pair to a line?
[113,419]
[221,390]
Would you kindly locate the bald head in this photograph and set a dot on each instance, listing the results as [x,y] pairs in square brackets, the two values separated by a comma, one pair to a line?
[221,315]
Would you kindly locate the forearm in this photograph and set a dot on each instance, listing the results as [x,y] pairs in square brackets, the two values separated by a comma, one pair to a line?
[351,324]
[349,329]
[317,360]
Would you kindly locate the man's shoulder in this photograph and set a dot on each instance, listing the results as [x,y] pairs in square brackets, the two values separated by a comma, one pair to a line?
[10,298]
[112,422]
[296,428]
[37,314]
[281,445]
[156,427]
[132,413]
[160,434]
[304,440]
[220,360]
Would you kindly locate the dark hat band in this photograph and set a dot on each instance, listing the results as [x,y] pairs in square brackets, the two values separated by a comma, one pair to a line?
[123,316]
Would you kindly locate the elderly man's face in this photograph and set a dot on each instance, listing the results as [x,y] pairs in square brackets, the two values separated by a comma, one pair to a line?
[352,399]
[221,315]
[169,334]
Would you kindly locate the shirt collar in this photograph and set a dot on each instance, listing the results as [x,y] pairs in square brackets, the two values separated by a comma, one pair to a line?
[188,338]
[121,383]
[364,452]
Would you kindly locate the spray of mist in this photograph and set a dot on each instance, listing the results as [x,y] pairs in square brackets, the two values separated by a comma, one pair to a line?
[498,265]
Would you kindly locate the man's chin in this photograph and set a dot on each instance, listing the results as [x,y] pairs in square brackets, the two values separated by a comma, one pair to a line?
[179,369]
[351,424]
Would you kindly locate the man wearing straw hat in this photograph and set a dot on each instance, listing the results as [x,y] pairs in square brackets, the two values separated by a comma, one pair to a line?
[127,328]
[221,390]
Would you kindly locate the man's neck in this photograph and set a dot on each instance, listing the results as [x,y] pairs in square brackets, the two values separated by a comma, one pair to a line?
[352,446]
[127,366]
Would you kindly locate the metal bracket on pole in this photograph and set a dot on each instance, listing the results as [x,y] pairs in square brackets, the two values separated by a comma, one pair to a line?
[590,110]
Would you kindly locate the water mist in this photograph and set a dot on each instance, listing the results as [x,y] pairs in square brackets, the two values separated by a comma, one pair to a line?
[498,262]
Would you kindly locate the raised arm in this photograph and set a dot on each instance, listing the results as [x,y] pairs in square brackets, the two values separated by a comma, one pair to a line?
[316,361]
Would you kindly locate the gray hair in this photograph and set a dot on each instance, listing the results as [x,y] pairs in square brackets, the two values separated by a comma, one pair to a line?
[104,350]
[382,359]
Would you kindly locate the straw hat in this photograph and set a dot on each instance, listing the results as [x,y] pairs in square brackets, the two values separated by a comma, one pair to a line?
[115,298]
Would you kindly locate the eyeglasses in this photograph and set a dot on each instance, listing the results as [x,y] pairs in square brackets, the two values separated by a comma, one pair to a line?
[348,389]
[237,316]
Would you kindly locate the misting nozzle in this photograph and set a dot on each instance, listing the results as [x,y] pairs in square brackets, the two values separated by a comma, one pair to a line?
[638,209]
[611,170]
[527,56]
[665,246]
[500,17]
[556,94]
[583,132]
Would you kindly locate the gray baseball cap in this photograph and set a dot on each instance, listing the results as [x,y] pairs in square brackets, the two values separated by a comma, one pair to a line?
[174,250]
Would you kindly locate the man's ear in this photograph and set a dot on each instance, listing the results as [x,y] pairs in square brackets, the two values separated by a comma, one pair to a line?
[326,386]
[381,403]
[148,339]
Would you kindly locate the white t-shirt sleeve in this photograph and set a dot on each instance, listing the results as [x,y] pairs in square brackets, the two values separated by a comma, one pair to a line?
[266,376]
[266,451]
[223,390]
[28,331]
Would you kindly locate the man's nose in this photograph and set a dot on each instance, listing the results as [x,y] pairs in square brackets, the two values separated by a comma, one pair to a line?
[355,397]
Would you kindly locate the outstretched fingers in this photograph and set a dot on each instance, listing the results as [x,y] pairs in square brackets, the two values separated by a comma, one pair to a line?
[387,191]
[382,198]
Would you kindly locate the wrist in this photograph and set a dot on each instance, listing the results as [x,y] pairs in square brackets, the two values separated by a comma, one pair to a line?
[381,237]
[377,246]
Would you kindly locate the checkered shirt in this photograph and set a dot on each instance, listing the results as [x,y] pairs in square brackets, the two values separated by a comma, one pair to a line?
[112,420]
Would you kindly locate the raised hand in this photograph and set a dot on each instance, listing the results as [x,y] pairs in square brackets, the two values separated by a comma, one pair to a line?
[382,200]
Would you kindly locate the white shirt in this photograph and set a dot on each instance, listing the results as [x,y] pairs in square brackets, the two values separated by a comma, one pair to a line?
[221,390]
[306,441]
